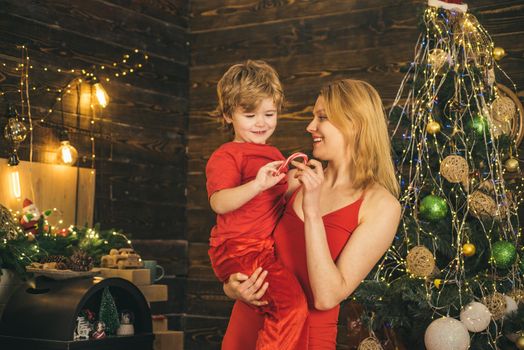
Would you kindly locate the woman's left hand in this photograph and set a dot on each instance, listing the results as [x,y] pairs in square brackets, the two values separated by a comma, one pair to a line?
[311,176]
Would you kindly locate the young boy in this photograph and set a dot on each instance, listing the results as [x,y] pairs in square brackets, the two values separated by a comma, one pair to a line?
[247,194]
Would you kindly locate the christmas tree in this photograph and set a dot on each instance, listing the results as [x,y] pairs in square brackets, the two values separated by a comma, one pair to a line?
[108,312]
[452,279]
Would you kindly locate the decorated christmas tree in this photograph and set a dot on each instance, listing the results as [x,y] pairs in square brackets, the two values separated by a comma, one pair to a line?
[108,312]
[452,279]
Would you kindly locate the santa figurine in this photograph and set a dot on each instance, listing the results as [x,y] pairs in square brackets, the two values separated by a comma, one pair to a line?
[31,216]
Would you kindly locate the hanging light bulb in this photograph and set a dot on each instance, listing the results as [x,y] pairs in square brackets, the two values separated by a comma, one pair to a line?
[101,95]
[15,131]
[67,154]
[14,176]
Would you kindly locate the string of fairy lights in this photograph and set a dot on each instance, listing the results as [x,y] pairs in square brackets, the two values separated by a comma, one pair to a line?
[454,41]
[21,122]
[129,64]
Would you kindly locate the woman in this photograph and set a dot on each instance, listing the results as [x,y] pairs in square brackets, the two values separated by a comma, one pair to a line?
[338,221]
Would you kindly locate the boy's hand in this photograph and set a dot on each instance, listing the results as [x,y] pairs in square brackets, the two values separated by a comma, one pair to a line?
[267,175]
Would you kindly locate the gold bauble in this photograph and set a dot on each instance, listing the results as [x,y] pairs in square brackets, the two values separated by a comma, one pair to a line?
[454,168]
[433,127]
[511,165]
[481,205]
[519,343]
[517,294]
[467,25]
[437,282]
[503,109]
[468,249]
[437,58]
[420,261]
[498,53]
[370,343]
[496,303]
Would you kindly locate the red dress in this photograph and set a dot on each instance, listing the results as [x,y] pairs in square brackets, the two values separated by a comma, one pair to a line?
[242,240]
[320,332]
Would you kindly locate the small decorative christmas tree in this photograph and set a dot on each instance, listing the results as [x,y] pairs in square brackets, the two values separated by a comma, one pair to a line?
[108,312]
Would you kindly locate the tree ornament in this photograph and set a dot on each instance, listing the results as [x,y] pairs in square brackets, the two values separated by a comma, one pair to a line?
[511,165]
[500,127]
[8,224]
[100,330]
[446,333]
[503,109]
[433,127]
[519,343]
[498,53]
[511,305]
[478,125]
[475,316]
[15,131]
[503,254]
[482,206]
[437,58]
[81,261]
[496,303]
[108,313]
[455,169]
[370,343]
[466,25]
[468,249]
[433,208]
[126,324]
[437,282]
[82,329]
[517,295]
[420,261]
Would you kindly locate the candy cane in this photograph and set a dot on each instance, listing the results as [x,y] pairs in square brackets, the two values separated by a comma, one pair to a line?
[291,158]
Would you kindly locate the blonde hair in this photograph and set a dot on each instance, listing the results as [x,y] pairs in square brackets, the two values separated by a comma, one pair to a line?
[355,108]
[246,84]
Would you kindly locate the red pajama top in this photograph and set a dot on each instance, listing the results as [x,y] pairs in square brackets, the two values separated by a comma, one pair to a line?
[234,164]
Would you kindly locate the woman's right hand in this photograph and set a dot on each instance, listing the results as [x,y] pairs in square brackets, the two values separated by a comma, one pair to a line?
[247,289]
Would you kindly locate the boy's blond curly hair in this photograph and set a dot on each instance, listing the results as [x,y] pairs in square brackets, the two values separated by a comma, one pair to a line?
[245,85]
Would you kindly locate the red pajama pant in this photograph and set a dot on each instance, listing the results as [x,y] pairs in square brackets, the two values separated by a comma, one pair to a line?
[286,312]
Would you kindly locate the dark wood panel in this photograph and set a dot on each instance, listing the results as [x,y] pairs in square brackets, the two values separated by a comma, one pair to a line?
[174,12]
[176,289]
[219,14]
[199,265]
[105,22]
[201,332]
[199,223]
[55,49]
[206,297]
[141,219]
[371,28]
[170,253]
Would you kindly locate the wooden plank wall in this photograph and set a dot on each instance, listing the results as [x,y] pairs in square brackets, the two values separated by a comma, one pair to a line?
[141,135]
[309,43]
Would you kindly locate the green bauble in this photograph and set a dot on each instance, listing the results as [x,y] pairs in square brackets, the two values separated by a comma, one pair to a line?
[503,254]
[433,208]
[478,125]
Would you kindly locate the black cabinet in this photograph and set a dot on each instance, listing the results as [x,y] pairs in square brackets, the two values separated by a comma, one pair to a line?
[43,316]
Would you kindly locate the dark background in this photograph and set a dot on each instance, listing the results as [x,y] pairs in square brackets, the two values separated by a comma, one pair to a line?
[153,139]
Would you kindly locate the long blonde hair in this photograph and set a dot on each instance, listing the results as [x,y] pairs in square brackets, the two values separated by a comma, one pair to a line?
[355,108]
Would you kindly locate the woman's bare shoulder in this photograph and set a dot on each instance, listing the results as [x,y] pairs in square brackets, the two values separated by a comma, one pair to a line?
[378,200]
